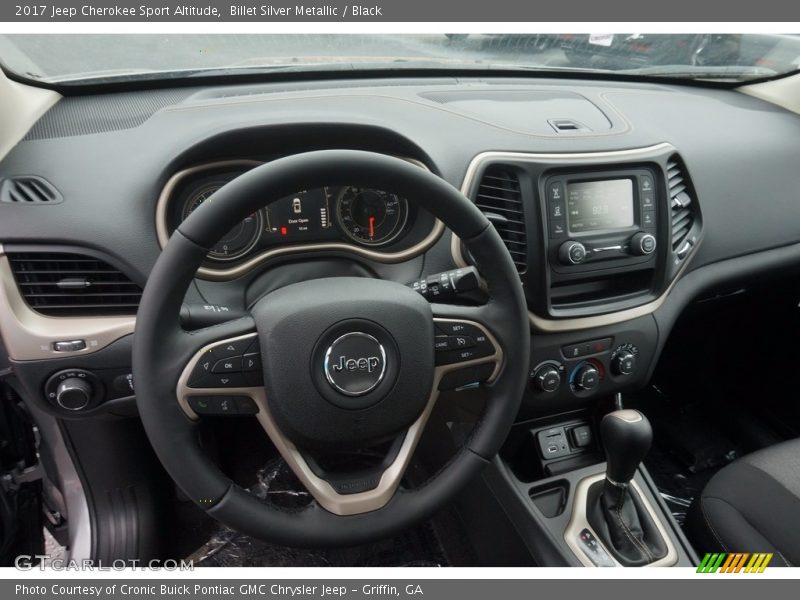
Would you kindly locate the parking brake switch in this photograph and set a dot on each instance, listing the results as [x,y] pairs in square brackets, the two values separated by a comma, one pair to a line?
[446,286]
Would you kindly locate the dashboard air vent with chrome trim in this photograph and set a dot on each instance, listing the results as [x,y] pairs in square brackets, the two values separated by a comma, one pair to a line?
[683,209]
[61,284]
[500,198]
[29,189]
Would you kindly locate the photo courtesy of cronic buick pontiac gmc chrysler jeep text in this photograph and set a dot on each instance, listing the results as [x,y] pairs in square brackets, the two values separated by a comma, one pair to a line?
[457,300]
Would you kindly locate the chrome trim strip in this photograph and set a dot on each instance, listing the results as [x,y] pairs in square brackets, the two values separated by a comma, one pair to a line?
[29,335]
[327,497]
[578,522]
[547,325]
[224,274]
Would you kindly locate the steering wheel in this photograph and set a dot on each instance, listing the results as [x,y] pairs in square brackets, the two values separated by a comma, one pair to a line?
[330,363]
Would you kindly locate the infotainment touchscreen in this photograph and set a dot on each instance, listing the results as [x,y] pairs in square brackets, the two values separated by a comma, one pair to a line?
[599,205]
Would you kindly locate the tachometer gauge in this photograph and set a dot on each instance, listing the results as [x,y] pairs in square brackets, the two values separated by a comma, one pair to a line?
[371,217]
[239,240]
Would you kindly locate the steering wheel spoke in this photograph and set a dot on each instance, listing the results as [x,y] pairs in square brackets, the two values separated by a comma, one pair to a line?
[467,352]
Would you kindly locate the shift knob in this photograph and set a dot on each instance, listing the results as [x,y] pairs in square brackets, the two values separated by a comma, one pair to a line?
[626,436]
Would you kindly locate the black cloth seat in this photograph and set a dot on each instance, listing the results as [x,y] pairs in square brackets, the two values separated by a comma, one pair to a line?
[752,505]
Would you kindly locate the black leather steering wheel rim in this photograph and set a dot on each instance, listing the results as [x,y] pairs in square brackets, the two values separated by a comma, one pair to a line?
[162,348]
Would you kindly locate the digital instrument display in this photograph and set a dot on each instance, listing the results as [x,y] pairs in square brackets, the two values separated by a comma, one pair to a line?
[300,215]
[599,205]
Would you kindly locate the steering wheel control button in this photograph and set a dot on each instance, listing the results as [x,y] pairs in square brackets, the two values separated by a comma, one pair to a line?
[355,363]
[220,380]
[213,405]
[228,365]
[246,405]
[69,346]
[251,362]
[441,343]
[457,342]
[234,348]
[465,341]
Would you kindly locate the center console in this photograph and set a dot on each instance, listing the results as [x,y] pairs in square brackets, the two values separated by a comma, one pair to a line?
[598,240]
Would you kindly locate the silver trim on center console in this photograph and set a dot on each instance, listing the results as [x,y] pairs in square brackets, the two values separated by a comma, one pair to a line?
[578,522]
[547,325]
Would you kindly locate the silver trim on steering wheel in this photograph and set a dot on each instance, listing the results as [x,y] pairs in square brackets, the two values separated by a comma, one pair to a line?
[322,491]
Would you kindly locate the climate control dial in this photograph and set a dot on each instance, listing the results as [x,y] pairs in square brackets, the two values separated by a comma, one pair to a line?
[586,377]
[623,360]
[546,378]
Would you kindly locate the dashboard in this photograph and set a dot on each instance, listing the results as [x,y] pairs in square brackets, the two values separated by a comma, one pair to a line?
[663,194]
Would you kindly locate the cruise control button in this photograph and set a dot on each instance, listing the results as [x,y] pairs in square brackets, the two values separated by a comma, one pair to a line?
[456,342]
[440,343]
[228,349]
[228,365]
[454,328]
[220,380]
[456,356]
[251,362]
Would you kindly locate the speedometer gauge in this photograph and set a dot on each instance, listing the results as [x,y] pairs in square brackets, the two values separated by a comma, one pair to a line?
[371,217]
[239,240]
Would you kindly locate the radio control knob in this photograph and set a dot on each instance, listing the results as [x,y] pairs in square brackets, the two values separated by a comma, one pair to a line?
[643,243]
[572,252]
[586,378]
[74,393]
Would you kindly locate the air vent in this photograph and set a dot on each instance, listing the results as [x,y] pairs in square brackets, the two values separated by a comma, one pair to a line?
[70,285]
[682,206]
[500,199]
[28,189]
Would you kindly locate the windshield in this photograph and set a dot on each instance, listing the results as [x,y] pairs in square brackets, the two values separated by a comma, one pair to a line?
[79,59]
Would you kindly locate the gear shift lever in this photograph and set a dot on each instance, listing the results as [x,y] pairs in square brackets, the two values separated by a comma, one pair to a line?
[627,436]
[615,511]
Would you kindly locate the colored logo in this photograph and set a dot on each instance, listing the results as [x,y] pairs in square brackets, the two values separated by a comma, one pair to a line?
[737,562]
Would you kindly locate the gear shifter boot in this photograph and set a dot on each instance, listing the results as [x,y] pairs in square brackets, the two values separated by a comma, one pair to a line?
[620,520]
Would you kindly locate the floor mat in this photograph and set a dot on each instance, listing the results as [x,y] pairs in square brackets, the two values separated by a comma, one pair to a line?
[417,547]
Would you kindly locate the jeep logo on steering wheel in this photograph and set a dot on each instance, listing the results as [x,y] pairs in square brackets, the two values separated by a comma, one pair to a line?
[355,363]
